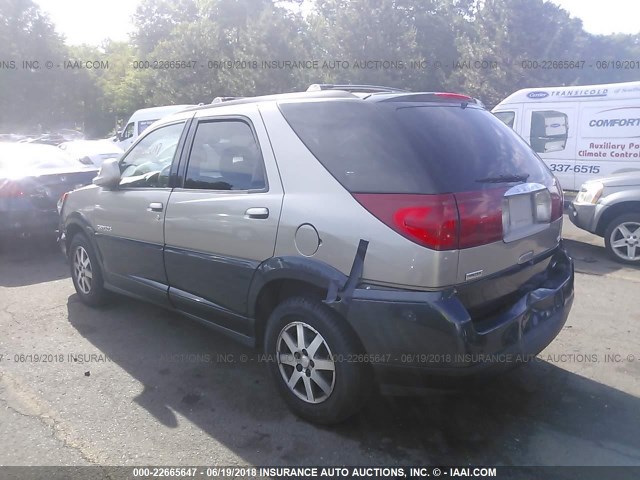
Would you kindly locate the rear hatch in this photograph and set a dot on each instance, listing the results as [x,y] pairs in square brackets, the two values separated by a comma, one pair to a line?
[447,175]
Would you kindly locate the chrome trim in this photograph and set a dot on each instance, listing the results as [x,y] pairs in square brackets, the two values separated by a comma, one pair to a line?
[524,188]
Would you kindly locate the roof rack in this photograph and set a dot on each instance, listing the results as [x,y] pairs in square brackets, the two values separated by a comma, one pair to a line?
[225,99]
[274,97]
[354,88]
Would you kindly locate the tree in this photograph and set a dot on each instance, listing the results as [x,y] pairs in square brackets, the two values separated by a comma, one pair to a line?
[372,40]
[507,35]
[32,94]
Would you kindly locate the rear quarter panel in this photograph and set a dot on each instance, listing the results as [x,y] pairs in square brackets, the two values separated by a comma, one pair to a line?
[313,196]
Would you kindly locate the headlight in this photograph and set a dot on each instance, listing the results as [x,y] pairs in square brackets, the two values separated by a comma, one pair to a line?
[590,193]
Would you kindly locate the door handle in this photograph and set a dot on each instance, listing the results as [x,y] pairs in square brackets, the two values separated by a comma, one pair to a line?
[155,207]
[257,212]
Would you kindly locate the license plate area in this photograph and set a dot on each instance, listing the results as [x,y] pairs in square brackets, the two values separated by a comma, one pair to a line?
[519,213]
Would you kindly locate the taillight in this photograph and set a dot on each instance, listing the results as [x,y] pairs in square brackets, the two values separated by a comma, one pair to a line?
[429,220]
[61,200]
[10,189]
[480,217]
[557,200]
[441,222]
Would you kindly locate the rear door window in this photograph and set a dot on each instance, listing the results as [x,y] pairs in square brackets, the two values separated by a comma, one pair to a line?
[391,147]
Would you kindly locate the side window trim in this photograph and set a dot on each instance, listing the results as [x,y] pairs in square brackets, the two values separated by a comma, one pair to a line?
[180,176]
[176,157]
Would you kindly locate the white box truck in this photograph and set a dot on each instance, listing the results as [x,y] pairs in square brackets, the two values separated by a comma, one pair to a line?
[581,132]
[141,120]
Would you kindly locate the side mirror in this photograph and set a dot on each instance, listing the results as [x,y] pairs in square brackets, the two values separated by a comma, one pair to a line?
[109,175]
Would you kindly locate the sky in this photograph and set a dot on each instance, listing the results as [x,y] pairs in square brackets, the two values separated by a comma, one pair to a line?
[91,21]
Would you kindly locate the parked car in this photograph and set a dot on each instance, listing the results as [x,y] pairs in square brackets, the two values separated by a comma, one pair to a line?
[92,152]
[53,139]
[33,177]
[378,237]
[581,132]
[610,208]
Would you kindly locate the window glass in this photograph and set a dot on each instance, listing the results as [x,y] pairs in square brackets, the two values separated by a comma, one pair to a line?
[411,147]
[506,117]
[127,132]
[549,131]
[144,124]
[225,156]
[148,163]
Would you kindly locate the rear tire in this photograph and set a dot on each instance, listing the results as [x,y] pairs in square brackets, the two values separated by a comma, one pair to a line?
[622,238]
[312,351]
[86,272]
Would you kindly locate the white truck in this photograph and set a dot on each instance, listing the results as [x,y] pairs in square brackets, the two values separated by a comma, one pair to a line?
[581,132]
[141,119]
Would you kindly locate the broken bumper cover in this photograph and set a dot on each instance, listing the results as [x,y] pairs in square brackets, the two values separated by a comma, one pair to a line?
[428,339]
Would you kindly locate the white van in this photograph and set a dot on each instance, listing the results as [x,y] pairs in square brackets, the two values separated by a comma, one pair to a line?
[141,120]
[581,132]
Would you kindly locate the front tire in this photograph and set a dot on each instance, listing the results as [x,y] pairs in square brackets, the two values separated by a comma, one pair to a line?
[622,238]
[85,272]
[314,361]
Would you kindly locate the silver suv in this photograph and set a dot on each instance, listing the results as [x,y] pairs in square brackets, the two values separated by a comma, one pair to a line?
[610,208]
[366,237]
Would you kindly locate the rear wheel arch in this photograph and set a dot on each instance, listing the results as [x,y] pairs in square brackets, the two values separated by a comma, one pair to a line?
[281,278]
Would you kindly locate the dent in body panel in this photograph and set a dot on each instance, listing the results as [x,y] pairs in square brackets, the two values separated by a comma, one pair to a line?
[298,268]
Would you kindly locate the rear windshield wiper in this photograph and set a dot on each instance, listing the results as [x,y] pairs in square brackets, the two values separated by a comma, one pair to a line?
[504,178]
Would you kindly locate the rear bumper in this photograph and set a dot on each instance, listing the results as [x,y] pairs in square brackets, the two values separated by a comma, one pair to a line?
[429,339]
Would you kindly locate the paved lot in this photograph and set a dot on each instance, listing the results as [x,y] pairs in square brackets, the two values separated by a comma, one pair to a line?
[148,387]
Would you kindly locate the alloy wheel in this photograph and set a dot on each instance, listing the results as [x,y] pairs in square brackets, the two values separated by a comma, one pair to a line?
[305,362]
[625,241]
[82,270]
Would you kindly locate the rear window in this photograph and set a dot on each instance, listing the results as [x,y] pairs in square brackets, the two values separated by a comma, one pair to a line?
[388,147]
